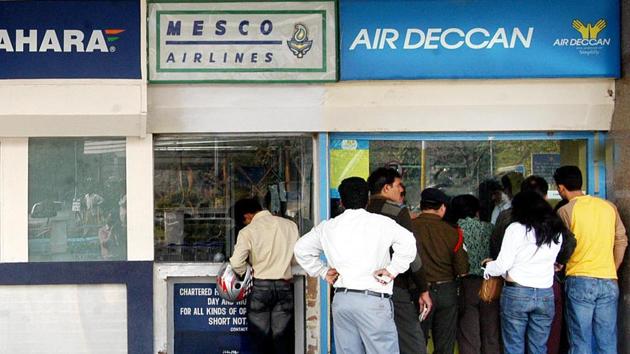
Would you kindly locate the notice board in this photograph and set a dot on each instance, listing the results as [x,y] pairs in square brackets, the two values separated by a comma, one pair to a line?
[204,323]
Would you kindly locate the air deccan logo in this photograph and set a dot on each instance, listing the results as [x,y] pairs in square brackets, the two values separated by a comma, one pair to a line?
[590,41]
[59,41]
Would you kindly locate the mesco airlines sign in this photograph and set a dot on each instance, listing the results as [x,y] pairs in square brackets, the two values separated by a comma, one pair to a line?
[70,39]
[248,41]
[401,39]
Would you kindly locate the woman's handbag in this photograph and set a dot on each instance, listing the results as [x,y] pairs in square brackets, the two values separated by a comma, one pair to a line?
[491,289]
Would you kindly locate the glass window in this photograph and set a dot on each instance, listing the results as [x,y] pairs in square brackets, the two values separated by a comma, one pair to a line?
[77,199]
[456,167]
[199,177]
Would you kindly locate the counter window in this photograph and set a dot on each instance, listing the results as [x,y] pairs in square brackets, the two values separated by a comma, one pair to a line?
[198,178]
[77,199]
[455,166]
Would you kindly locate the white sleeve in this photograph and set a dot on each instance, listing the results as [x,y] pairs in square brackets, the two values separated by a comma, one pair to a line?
[404,246]
[308,250]
[507,254]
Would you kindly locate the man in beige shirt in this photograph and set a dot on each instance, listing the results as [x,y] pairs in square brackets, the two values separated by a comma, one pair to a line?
[268,242]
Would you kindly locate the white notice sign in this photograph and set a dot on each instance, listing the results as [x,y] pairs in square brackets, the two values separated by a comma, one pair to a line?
[243,42]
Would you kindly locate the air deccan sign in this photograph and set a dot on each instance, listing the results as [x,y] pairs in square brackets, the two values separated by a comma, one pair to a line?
[504,39]
[450,38]
[69,39]
[249,41]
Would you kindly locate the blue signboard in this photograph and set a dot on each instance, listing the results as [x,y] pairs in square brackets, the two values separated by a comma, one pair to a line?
[545,165]
[204,323]
[70,39]
[441,39]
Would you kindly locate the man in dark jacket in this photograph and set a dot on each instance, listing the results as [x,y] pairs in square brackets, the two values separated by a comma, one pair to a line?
[444,259]
[386,190]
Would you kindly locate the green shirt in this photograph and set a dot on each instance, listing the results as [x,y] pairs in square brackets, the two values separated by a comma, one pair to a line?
[477,242]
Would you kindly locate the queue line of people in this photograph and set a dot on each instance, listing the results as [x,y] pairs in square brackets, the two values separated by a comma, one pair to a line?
[388,270]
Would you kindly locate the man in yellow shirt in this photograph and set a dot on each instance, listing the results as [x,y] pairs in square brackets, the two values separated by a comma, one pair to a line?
[591,286]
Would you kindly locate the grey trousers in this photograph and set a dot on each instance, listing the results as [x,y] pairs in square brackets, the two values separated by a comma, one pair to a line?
[363,324]
[410,336]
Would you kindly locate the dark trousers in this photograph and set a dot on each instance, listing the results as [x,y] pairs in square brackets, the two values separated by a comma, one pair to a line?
[478,329]
[442,321]
[558,341]
[410,336]
[270,317]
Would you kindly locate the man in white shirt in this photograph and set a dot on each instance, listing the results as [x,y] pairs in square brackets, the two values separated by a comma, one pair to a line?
[267,242]
[356,245]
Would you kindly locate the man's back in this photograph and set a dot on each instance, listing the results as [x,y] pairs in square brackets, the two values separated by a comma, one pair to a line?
[597,227]
[269,241]
[356,243]
[442,254]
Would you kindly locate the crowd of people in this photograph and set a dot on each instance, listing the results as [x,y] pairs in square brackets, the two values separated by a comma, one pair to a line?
[399,281]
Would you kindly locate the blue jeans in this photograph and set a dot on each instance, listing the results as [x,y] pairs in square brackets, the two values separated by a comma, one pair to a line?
[591,313]
[526,316]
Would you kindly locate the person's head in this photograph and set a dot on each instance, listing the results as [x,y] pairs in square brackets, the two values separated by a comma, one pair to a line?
[245,209]
[354,193]
[568,179]
[532,210]
[536,184]
[433,200]
[495,190]
[386,182]
[464,206]
[511,182]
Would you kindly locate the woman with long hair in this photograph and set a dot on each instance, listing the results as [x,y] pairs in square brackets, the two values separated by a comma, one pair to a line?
[527,262]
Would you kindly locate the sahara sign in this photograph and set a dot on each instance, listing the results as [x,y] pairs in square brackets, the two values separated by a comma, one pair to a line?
[70,39]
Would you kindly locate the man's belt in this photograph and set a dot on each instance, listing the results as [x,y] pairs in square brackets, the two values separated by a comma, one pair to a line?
[440,282]
[514,284]
[365,292]
[272,281]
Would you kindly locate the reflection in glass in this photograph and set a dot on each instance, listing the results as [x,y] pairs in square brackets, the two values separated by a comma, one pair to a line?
[197,179]
[77,199]
[461,167]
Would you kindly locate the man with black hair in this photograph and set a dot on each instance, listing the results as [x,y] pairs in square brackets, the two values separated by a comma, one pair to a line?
[386,190]
[591,287]
[356,245]
[267,241]
[444,259]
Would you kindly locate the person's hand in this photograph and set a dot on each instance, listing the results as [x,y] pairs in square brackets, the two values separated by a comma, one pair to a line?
[331,276]
[383,276]
[425,300]
[483,263]
[558,267]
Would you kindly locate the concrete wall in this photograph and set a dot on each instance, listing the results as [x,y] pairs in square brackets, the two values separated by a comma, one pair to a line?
[618,176]
[376,106]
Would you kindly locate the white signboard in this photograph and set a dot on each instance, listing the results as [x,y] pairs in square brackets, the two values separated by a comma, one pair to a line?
[274,41]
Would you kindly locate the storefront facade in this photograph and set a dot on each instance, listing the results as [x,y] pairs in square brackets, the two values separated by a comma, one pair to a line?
[122,186]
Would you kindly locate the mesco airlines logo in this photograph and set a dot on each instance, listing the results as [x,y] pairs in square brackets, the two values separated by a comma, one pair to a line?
[590,40]
[59,41]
